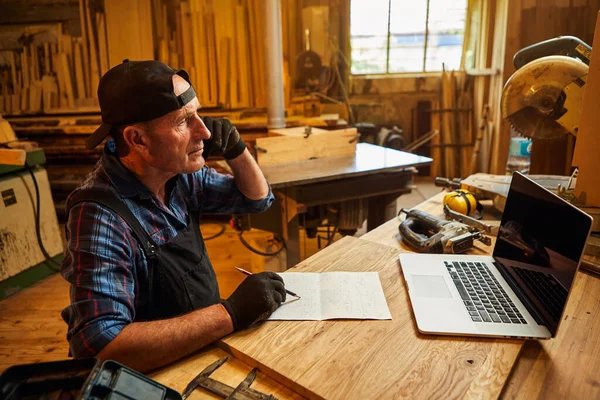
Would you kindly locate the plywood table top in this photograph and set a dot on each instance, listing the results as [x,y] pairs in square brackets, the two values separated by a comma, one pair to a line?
[567,366]
[373,359]
[368,159]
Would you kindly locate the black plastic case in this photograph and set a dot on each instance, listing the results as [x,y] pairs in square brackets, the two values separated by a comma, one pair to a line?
[80,379]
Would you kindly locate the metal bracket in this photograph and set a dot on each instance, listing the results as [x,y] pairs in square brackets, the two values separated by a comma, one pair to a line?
[355,138]
[307,131]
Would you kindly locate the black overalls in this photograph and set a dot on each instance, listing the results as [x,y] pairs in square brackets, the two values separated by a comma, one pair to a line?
[181,277]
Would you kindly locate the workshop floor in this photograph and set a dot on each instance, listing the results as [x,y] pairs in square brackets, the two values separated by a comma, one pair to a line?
[31,329]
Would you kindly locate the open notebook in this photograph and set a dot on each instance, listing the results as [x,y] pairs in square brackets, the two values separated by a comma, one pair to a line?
[333,295]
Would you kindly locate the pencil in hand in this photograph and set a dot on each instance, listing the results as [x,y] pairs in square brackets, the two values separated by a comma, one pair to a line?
[243,271]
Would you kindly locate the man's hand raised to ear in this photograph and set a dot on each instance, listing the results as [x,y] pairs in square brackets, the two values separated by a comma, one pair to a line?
[224,139]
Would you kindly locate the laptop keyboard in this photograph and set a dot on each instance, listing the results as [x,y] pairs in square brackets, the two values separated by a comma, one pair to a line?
[546,288]
[483,297]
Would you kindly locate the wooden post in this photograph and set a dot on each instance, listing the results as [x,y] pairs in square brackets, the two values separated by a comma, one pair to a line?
[587,147]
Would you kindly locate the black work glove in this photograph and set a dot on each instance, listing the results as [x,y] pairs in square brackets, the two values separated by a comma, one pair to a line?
[224,140]
[255,299]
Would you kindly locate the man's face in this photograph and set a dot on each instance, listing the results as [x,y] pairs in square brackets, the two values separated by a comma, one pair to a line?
[175,140]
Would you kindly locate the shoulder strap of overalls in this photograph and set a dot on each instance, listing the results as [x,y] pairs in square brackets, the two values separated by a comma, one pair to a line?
[110,200]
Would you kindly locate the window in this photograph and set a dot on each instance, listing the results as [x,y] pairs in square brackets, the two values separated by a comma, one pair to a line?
[392,36]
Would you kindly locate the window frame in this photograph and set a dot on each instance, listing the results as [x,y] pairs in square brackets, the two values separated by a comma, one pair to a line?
[408,74]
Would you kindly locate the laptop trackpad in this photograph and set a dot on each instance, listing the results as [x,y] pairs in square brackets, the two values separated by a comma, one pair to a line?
[431,286]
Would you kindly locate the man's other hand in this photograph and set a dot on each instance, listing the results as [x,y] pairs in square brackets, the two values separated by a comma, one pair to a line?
[255,299]
[224,140]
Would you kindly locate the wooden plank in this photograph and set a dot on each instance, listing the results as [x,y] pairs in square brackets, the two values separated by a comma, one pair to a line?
[13,72]
[177,39]
[66,76]
[400,362]
[67,46]
[448,124]
[7,134]
[186,35]
[212,66]
[24,100]
[233,77]
[145,30]
[35,96]
[15,101]
[62,90]
[102,47]
[464,121]
[163,51]
[12,156]
[94,65]
[50,92]
[158,24]
[506,44]
[295,132]
[225,52]
[255,41]
[25,68]
[260,53]
[198,78]
[293,146]
[47,53]
[130,20]
[33,64]
[436,151]
[84,48]
[224,72]
[241,27]
[201,42]
[165,25]
[588,146]
[79,76]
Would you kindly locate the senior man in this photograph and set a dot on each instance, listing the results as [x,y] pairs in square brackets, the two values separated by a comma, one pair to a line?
[143,290]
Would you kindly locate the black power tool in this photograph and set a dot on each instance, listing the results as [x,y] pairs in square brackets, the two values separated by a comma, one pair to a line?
[428,234]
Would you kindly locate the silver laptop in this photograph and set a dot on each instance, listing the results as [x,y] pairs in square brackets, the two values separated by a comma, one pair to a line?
[520,291]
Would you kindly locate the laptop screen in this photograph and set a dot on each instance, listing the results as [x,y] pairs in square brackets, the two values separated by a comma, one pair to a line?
[540,243]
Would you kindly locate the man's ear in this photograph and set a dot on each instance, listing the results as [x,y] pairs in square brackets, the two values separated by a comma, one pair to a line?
[136,138]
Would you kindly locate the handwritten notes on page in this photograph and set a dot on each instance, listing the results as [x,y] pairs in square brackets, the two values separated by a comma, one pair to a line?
[332,295]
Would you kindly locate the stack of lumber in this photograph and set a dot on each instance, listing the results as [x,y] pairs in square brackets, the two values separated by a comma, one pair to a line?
[452,114]
[59,75]
[221,44]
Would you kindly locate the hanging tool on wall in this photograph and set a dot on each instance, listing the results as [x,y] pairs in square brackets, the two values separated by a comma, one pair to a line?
[428,234]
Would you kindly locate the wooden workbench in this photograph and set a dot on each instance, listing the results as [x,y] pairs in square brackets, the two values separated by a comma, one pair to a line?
[375,174]
[356,359]
[566,367]
[390,359]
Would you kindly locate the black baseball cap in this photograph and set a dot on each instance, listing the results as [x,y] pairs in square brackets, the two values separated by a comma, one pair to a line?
[137,91]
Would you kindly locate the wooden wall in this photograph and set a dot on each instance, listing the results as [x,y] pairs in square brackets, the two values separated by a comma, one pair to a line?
[392,100]
[531,21]
[34,11]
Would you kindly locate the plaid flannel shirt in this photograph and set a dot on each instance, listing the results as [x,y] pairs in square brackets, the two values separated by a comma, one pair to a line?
[104,264]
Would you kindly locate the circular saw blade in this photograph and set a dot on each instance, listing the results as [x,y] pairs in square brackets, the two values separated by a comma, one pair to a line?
[530,99]
[531,123]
